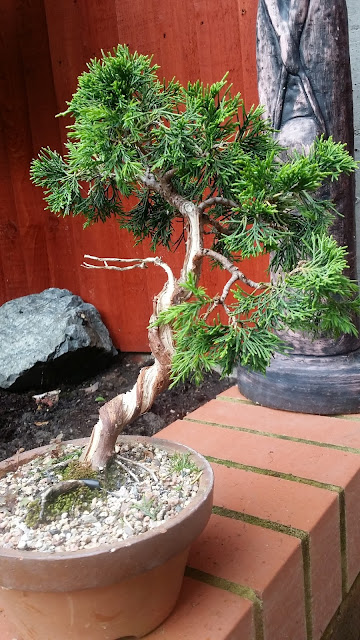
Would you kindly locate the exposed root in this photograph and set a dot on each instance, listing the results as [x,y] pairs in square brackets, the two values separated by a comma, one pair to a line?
[62,488]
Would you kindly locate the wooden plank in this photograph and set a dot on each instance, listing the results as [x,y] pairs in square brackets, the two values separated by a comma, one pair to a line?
[13,148]
[197,39]
[42,108]
[116,295]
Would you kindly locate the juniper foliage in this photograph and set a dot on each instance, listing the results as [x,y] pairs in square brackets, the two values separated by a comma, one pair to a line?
[137,136]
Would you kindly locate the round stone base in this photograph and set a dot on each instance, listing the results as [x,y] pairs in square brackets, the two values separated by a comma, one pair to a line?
[327,385]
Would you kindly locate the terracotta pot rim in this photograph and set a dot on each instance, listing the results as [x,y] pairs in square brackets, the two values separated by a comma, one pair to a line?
[124,558]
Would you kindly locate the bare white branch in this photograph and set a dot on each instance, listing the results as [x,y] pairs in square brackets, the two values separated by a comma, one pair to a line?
[116,259]
[86,265]
[141,263]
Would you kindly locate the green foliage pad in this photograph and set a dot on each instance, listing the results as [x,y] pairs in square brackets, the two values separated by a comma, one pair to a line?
[165,145]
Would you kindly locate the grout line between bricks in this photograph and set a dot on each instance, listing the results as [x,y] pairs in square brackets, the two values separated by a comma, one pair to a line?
[277,436]
[304,538]
[313,483]
[240,590]
[275,474]
[254,404]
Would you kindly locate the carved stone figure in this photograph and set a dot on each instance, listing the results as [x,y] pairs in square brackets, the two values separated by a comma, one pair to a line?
[304,80]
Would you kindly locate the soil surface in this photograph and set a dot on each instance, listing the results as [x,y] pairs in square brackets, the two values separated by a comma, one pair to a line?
[26,422]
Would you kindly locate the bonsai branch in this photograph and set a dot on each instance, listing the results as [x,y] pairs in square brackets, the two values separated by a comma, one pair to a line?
[235,271]
[225,202]
[188,210]
[141,263]
[236,275]
[216,224]
[220,300]
[126,407]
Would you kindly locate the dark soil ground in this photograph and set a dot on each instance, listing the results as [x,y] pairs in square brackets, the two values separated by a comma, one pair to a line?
[26,423]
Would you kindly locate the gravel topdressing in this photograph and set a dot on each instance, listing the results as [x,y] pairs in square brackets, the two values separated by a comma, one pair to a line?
[147,486]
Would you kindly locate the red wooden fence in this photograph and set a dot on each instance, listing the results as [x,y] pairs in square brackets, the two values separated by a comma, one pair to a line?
[44,46]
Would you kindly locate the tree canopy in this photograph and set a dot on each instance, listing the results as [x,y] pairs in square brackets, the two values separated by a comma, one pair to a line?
[193,152]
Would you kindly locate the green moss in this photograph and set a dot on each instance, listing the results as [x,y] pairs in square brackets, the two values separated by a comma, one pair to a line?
[33,514]
[78,471]
[111,478]
[66,503]
[80,498]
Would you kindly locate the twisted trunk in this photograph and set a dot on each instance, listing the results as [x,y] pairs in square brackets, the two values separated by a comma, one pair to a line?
[116,414]
[123,409]
[126,407]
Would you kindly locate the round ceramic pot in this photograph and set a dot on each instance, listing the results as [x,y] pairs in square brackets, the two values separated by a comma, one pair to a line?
[109,592]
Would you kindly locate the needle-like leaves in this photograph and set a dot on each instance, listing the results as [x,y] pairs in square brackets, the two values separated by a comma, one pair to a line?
[128,125]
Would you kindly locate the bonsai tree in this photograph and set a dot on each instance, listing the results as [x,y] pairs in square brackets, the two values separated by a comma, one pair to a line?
[196,154]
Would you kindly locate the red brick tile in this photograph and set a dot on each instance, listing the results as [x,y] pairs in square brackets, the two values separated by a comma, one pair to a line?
[352,500]
[204,612]
[7,631]
[324,429]
[267,561]
[233,393]
[307,461]
[304,507]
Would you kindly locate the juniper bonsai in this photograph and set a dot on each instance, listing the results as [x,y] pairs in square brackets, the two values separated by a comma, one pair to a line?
[196,154]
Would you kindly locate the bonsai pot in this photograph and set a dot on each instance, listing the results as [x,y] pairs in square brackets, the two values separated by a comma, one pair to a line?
[108,592]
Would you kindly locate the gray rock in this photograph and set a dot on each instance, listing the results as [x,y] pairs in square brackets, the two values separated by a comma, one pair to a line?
[50,337]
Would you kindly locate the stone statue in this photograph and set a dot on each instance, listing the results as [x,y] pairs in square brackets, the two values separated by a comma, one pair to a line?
[304,82]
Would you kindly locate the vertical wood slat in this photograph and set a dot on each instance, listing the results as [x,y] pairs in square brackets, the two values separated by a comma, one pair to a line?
[44,47]
[13,149]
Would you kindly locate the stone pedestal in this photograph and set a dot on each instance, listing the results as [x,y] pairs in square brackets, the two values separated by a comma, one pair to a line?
[327,385]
